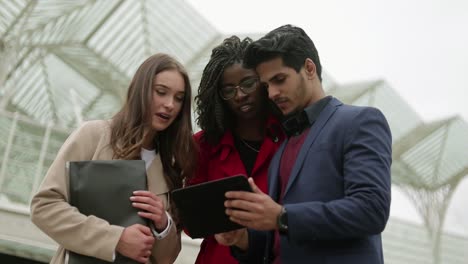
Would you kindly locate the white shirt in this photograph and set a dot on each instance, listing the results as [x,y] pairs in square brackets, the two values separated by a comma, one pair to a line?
[148,156]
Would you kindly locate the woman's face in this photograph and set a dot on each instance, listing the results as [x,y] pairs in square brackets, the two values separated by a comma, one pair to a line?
[247,103]
[167,98]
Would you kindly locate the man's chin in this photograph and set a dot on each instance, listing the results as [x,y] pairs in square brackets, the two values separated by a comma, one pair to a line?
[286,111]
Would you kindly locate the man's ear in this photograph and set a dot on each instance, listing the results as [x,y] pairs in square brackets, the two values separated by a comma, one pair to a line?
[310,69]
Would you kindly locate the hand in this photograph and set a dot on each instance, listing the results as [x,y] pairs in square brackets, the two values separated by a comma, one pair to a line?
[254,210]
[152,206]
[136,243]
[238,238]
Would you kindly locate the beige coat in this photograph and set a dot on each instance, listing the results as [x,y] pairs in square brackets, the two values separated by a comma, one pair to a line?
[90,235]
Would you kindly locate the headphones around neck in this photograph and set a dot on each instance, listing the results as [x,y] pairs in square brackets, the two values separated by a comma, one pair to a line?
[293,124]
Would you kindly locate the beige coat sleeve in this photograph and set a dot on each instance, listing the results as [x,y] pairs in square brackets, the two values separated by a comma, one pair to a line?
[167,249]
[51,212]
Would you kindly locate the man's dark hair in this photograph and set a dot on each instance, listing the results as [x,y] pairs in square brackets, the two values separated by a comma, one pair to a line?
[213,115]
[288,42]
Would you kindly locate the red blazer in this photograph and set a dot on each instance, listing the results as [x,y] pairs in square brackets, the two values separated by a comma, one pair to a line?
[223,160]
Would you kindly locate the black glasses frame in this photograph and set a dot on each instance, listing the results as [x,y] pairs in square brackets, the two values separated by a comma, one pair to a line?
[241,86]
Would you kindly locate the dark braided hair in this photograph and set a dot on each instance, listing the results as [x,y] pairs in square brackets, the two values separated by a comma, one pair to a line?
[208,101]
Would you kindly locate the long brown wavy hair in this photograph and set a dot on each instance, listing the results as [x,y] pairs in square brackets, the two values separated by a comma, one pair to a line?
[175,144]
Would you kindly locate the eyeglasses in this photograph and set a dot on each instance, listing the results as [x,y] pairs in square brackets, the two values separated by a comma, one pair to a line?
[247,86]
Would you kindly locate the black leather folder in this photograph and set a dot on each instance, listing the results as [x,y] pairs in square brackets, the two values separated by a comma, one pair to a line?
[201,206]
[103,188]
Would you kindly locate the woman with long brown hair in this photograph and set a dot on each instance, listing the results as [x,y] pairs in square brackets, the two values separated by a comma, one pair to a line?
[153,125]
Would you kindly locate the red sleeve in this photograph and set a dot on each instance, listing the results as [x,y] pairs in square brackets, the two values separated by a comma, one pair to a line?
[201,171]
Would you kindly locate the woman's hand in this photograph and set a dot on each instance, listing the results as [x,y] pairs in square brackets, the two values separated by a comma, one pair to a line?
[152,207]
[238,238]
[136,242]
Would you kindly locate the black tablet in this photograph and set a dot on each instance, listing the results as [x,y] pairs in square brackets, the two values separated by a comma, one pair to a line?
[201,206]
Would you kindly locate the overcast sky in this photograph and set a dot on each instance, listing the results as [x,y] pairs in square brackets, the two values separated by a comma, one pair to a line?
[419,47]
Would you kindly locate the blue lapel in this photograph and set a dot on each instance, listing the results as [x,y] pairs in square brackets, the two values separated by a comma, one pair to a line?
[273,175]
[326,113]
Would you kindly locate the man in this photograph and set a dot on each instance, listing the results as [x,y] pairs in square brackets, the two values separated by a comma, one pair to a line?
[329,182]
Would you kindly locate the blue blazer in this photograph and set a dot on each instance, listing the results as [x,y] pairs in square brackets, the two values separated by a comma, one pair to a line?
[338,194]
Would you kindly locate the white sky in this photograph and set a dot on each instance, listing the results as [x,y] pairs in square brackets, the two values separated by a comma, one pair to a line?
[420,47]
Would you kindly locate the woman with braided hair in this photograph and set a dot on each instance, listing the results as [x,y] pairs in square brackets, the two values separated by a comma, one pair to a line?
[239,132]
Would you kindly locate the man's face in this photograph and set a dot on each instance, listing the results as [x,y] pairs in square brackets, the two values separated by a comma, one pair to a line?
[286,87]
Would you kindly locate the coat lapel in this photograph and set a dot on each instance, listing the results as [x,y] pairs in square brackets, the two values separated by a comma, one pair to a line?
[273,175]
[314,131]
[155,177]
